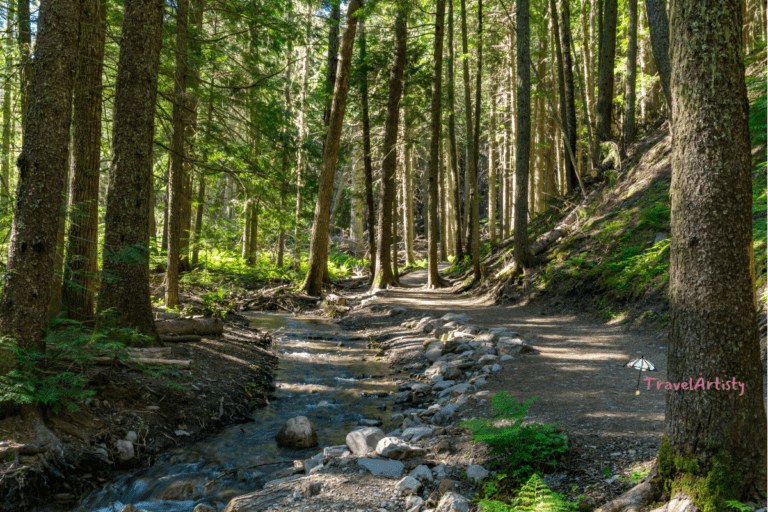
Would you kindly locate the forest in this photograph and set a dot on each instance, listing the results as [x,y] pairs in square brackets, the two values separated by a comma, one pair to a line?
[184,182]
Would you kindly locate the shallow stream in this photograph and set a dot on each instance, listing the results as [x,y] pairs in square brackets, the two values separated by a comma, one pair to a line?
[325,374]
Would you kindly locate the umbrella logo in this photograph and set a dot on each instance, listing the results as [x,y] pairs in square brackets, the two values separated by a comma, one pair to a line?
[641,364]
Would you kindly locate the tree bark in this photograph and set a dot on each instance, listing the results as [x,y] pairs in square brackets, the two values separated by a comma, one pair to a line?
[469,120]
[253,235]
[570,97]
[5,149]
[631,78]
[434,280]
[492,162]
[475,193]
[286,159]
[368,165]
[333,60]
[384,276]
[523,152]
[713,329]
[658,26]
[177,177]
[26,66]
[318,249]
[605,73]
[82,243]
[408,196]
[589,94]
[125,269]
[302,157]
[198,220]
[556,32]
[457,243]
[42,174]
[441,192]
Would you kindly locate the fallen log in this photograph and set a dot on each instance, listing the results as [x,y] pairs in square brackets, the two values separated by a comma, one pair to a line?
[181,338]
[186,326]
[147,360]
[562,229]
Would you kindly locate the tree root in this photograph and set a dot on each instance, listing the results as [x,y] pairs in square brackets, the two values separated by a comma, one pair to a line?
[46,440]
[634,500]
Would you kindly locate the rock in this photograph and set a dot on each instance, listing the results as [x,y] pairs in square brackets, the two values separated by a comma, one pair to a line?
[471,329]
[443,384]
[129,508]
[453,502]
[506,357]
[394,448]
[364,440]
[444,415]
[131,436]
[422,473]
[408,423]
[335,299]
[463,348]
[496,367]
[309,489]
[413,502]
[297,432]
[456,317]
[678,504]
[451,345]
[487,358]
[415,434]
[446,485]
[124,450]
[334,452]
[421,388]
[435,379]
[370,423]
[525,349]
[385,468]
[433,354]
[408,486]
[397,311]
[182,433]
[458,389]
[402,397]
[476,473]
[452,372]
[310,464]
[480,382]
[436,369]
[202,507]
[426,324]
[440,471]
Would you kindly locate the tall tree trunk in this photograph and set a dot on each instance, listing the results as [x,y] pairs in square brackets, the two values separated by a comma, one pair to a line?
[716,439]
[42,175]
[589,81]
[570,97]
[556,32]
[82,243]
[523,152]
[441,189]
[394,247]
[301,160]
[475,194]
[658,25]
[368,165]
[26,66]
[357,209]
[468,114]
[177,178]
[631,79]
[434,280]
[605,77]
[333,59]
[198,220]
[125,270]
[5,149]
[286,159]
[55,302]
[318,249]
[408,197]
[457,243]
[384,276]
[492,162]
[247,216]
[253,235]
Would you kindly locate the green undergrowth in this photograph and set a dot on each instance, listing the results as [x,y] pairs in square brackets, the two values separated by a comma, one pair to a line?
[59,377]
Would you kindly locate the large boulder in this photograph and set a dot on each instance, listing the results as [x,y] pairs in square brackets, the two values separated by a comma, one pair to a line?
[395,448]
[297,432]
[363,441]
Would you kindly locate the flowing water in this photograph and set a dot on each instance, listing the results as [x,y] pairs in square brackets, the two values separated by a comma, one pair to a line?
[334,386]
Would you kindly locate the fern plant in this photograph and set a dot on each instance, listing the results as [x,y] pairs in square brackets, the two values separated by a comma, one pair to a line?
[523,449]
[534,496]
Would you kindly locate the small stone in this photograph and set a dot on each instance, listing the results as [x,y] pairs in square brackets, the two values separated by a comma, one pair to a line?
[370,423]
[334,452]
[124,450]
[364,440]
[397,311]
[182,433]
[443,416]
[506,357]
[416,433]
[476,473]
[131,436]
[408,486]
[440,471]
[385,468]
[443,384]
[446,485]
[413,501]
[202,507]
[297,432]
[496,367]
[422,473]
[453,502]
[394,448]
[129,508]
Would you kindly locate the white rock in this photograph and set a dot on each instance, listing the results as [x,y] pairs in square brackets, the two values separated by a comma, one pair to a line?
[182,433]
[124,450]
[452,502]
[364,440]
[476,473]
[422,473]
[408,486]
[456,317]
[386,468]
[394,448]
[413,501]
[131,436]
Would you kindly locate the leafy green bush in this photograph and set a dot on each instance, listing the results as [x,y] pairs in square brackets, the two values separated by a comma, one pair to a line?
[534,496]
[524,449]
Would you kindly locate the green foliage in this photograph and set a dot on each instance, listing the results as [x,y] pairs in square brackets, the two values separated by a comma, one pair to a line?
[58,377]
[534,496]
[524,449]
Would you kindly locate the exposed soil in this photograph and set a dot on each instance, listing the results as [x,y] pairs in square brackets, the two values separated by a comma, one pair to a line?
[230,375]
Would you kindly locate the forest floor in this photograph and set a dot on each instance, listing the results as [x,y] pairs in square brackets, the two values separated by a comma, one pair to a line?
[576,371]
[229,377]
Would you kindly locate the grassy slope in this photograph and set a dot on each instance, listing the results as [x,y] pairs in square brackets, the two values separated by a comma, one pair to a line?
[611,264]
